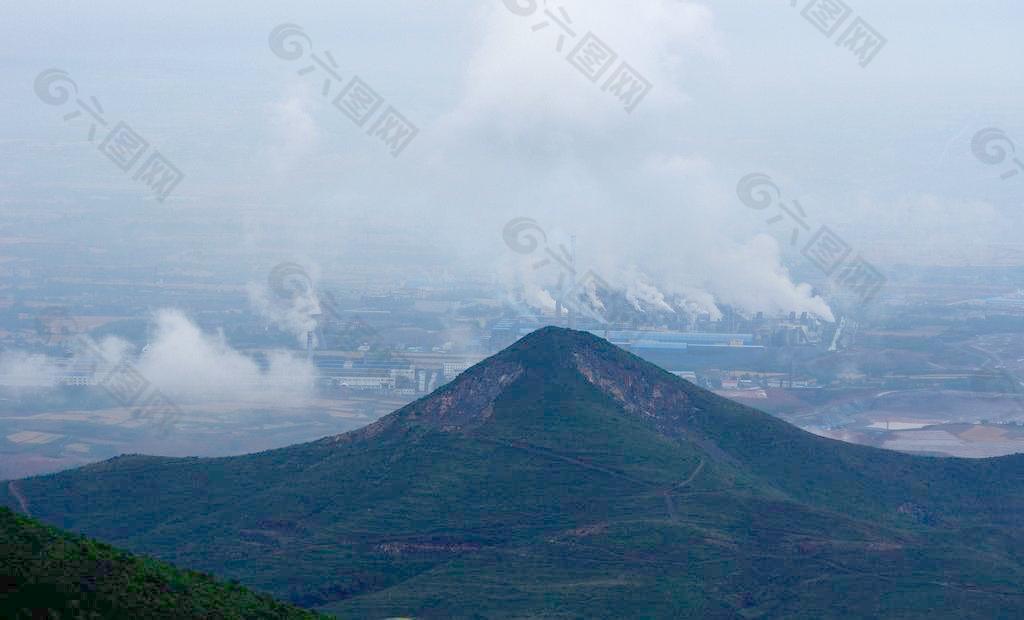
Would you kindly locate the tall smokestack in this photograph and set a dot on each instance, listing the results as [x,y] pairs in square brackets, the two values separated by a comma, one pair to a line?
[309,343]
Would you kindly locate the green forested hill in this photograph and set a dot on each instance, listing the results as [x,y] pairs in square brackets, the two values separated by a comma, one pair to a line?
[47,573]
[566,478]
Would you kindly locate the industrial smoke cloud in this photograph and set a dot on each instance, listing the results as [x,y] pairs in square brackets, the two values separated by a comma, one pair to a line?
[185,363]
[647,207]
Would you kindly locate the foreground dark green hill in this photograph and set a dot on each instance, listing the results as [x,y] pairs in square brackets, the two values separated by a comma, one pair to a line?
[46,573]
[566,478]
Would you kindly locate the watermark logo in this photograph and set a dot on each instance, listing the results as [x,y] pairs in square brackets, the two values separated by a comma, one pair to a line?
[123,146]
[591,56]
[129,388]
[290,282]
[56,325]
[88,365]
[577,293]
[120,378]
[859,38]
[286,42]
[356,100]
[825,249]
[520,235]
[992,146]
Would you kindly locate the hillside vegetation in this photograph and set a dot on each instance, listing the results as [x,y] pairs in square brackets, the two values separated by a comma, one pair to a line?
[566,478]
[46,573]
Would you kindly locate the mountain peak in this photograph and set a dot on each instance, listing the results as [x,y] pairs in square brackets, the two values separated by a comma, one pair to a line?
[553,335]
[544,364]
[551,343]
[534,469]
[637,385]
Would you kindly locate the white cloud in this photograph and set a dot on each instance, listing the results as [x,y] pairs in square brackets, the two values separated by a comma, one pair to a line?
[182,361]
[292,134]
[20,369]
[648,209]
[518,80]
[187,363]
[289,301]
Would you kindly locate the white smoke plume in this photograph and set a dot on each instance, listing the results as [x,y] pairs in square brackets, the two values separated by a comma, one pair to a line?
[656,218]
[750,276]
[293,134]
[524,286]
[185,363]
[288,300]
[694,302]
[642,294]
[189,364]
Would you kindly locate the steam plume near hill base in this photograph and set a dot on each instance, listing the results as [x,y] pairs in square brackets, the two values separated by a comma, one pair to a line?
[182,361]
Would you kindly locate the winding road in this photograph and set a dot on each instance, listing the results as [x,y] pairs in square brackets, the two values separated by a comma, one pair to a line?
[667,493]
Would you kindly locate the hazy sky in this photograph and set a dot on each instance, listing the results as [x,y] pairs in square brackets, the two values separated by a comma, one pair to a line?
[507,127]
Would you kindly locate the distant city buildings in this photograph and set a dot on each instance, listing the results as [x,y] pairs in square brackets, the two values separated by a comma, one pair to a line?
[454,369]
